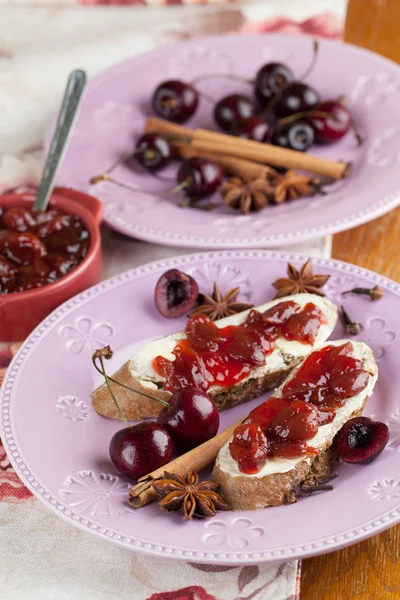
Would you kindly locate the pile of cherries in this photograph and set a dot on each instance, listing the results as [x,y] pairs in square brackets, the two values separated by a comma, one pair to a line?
[285,111]
[37,248]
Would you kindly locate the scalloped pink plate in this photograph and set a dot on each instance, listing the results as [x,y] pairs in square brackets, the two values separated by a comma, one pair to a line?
[117,104]
[59,445]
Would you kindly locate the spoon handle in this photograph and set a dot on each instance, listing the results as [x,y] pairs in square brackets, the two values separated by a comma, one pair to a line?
[68,111]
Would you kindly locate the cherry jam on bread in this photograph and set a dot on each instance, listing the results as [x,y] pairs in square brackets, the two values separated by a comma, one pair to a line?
[38,248]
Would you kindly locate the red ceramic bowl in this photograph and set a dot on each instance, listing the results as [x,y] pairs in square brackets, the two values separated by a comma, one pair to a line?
[20,312]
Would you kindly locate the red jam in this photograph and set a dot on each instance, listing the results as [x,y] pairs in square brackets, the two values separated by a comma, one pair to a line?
[210,355]
[38,248]
[282,426]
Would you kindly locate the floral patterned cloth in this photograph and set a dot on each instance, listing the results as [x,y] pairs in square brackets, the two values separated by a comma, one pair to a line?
[41,557]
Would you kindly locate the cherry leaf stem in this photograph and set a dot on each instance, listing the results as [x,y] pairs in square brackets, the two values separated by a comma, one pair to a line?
[181,186]
[303,115]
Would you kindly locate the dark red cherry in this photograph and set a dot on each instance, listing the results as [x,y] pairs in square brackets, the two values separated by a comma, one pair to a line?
[231,109]
[298,135]
[22,248]
[7,275]
[176,294]
[1,217]
[270,80]
[153,151]
[334,125]
[295,98]
[175,100]
[191,419]
[255,128]
[361,440]
[140,449]
[17,218]
[201,177]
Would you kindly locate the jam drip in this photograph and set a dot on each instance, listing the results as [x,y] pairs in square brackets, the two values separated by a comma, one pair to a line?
[282,426]
[210,355]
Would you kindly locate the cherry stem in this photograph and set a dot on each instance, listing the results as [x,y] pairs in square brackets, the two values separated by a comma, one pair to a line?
[312,63]
[303,115]
[181,186]
[358,137]
[107,353]
[106,177]
[99,357]
[221,76]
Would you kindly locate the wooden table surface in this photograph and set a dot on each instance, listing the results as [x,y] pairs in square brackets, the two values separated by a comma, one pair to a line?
[371,569]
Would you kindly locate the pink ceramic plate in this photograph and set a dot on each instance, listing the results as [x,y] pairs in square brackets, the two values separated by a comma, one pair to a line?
[118,102]
[59,445]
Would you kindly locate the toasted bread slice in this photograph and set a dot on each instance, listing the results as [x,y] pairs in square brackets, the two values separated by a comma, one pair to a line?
[138,372]
[275,484]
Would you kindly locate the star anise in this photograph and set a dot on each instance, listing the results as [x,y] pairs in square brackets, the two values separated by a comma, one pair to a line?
[300,281]
[295,185]
[194,499]
[247,196]
[218,306]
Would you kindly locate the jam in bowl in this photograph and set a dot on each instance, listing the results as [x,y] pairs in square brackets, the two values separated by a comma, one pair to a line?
[45,258]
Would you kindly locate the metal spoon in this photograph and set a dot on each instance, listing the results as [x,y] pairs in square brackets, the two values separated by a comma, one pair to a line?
[66,118]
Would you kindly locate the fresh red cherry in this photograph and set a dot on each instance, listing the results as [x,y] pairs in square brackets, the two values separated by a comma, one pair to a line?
[361,440]
[153,151]
[199,176]
[7,275]
[295,98]
[17,218]
[175,100]
[255,128]
[22,248]
[140,449]
[192,418]
[270,80]
[297,135]
[176,294]
[232,109]
[334,125]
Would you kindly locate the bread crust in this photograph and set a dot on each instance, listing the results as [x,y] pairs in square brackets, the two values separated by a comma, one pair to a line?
[253,493]
[135,407]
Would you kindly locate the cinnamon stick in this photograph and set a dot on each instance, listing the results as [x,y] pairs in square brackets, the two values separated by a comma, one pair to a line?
[240,167]
[204,140]
[195,460]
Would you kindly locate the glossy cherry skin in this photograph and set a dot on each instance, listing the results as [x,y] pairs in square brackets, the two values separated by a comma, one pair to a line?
[333,127]
[255,128]
[232,109]
[175,100]
[298,135]
[21,248]
[140,449]
[191,419]
[295,98]
[361,440]
[270,80]
[176,294]
[203,177]
[153,151]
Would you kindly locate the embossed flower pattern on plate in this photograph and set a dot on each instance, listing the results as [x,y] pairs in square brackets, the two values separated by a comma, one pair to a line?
[96,495]
[237,534]
[85,333]
[226,276]
[387,489]
[382,151]
[375,89]
[336,285]
[394,431]
[71,408]
[378,336]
